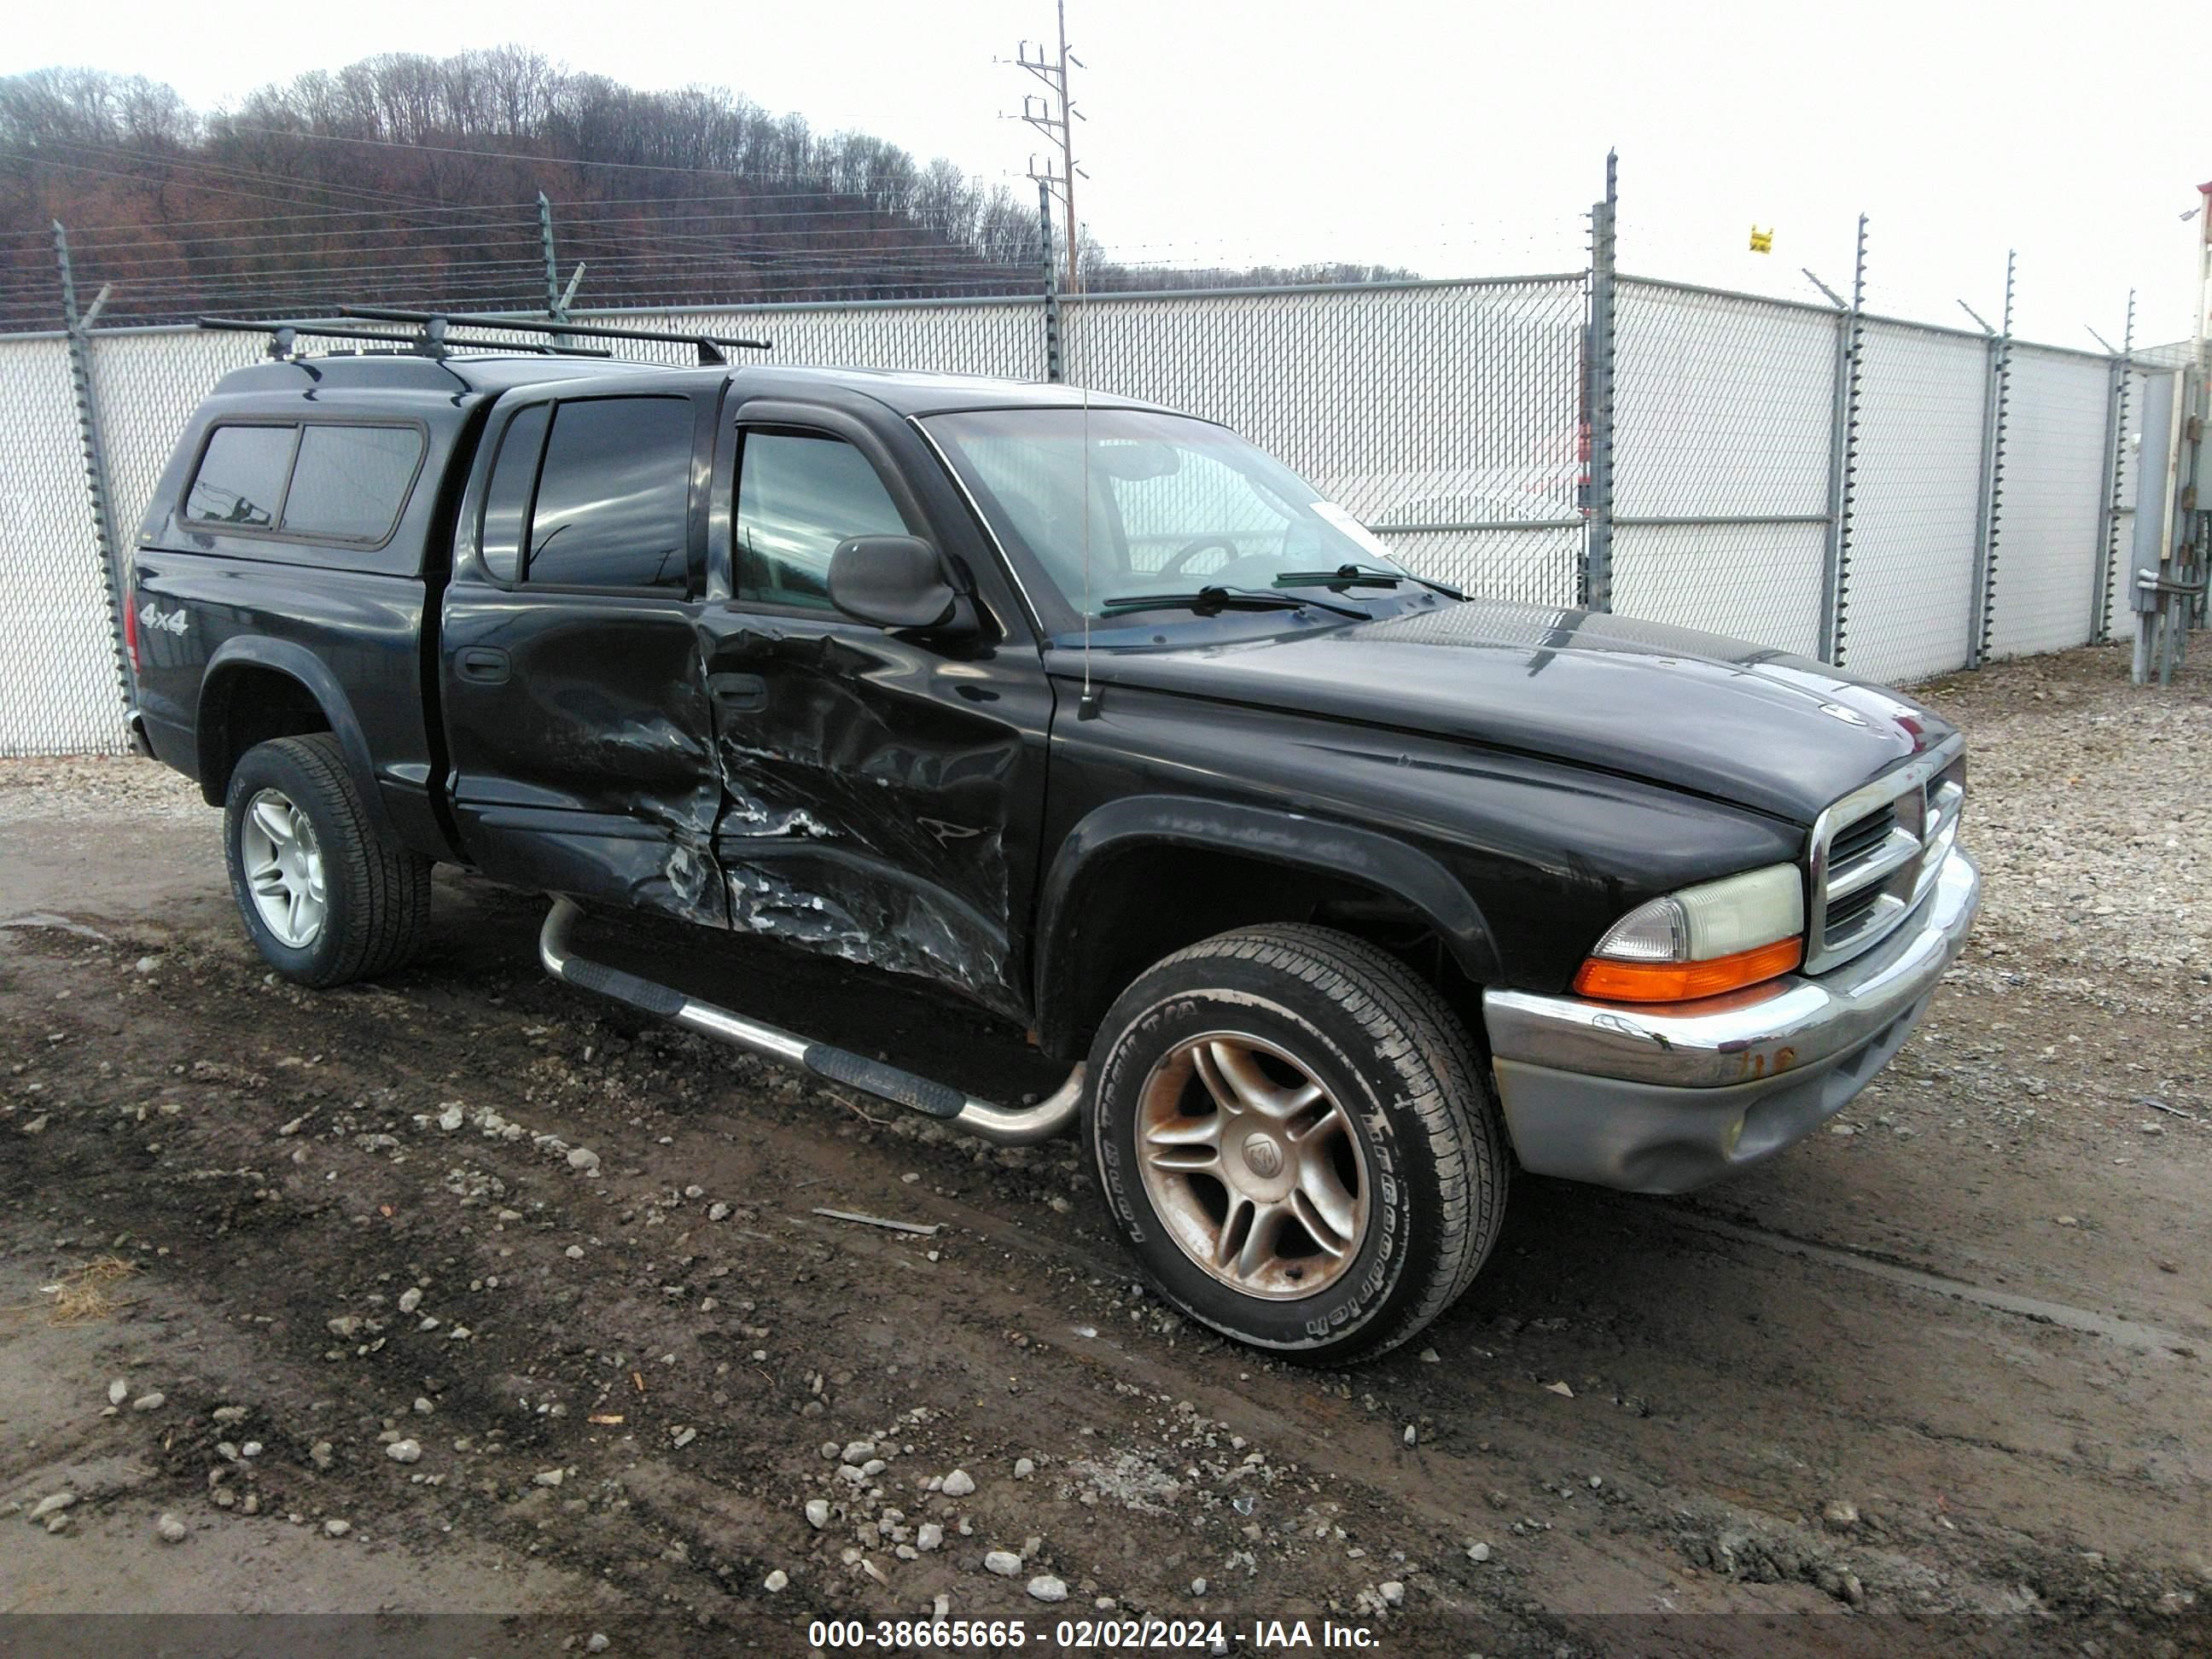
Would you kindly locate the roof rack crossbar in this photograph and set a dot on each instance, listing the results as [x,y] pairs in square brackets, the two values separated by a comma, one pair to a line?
[709,346]
[281,333]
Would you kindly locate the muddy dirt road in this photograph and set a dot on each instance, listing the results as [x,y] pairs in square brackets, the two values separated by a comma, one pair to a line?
[464,1293]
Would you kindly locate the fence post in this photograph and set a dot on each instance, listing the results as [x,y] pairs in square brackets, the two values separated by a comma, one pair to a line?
[1843,463]
[552,266]
[2116,440]
[1597,369]
[79,328]
[1054,371]
[1981,621]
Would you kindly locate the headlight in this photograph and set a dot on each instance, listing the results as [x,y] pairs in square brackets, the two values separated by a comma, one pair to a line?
[1703,940]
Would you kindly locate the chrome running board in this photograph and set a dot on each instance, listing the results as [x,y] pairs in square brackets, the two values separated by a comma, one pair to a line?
[1005,1126]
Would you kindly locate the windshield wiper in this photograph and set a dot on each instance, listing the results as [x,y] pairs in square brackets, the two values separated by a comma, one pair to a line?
[1208,601]
[1353,575]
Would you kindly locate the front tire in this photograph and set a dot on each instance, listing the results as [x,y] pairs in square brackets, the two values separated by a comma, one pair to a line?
[324,898]
[1296,1137]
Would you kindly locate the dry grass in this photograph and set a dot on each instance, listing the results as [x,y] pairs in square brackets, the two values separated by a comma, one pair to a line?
[86,1296]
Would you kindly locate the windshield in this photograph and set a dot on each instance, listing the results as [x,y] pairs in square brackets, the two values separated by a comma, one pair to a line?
[1173,505]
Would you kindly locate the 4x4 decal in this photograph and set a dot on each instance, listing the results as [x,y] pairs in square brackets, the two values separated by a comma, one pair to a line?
[151,615]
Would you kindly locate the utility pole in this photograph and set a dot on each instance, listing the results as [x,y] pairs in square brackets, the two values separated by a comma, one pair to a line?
[1054,114]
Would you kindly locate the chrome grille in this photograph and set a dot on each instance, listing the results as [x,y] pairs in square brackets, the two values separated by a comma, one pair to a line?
[1857,842]
[1843,914]
[1875,854]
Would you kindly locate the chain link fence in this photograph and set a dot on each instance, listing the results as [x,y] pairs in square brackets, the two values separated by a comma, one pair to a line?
[1445,415]
[1750,496]
[1721,462]
[58,691]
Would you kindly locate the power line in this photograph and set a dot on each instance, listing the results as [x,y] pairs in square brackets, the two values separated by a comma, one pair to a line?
[734,247]
[230,249]
[162,164]
[126,286]
[638,274]
[201,163]
[153,238]
[330,213]
[213,189]
[784,176]
[250,261]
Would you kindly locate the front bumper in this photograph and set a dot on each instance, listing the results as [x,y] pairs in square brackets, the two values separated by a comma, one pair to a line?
[1661,1100]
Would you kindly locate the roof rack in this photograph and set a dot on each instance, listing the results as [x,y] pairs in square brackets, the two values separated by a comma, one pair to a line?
[431,343]
[435,336]
[710,347]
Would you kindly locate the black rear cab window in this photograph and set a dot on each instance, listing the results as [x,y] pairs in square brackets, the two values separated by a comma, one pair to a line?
[319,482]
[241,476]
[349,481]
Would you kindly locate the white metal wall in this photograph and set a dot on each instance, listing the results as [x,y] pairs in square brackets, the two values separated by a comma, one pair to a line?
[2055,485]
[1916,503]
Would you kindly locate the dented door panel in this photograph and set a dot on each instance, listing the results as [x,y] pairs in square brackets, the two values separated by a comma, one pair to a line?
[588,768]
[871,797]
[579,739]
[883,792]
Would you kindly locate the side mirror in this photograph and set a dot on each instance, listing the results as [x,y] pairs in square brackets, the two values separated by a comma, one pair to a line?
[893,581]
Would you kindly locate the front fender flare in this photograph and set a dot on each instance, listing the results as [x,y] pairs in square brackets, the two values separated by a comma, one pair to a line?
[295,662]
[1290,839]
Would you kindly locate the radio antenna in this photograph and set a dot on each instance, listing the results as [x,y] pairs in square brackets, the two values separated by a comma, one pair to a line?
[1089,704]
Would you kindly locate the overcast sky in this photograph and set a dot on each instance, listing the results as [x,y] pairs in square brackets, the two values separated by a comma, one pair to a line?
[1459,139]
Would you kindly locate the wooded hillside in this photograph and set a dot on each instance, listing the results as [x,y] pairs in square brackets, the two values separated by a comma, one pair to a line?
[405,179]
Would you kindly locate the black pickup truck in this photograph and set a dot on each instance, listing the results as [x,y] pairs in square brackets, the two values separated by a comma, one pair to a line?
[1339,892]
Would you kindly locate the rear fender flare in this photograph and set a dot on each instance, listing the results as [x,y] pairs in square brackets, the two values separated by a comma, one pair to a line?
[295,662]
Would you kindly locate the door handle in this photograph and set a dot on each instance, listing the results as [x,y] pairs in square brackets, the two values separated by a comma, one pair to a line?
[741,694]
[484,665]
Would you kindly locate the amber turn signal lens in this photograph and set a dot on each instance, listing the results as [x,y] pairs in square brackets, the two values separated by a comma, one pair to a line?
[1684,981]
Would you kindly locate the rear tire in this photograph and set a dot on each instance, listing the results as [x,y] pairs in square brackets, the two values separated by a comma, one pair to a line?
[324,898]
[1297,1139]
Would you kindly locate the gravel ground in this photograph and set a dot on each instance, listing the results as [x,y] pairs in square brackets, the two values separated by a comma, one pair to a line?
[68,789]
[462,1293]
[2093,813]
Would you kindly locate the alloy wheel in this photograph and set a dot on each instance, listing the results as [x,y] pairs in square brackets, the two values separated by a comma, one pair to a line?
[283,866]
[1252,1165]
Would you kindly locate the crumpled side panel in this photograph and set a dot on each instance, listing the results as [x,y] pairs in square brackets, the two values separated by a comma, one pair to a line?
[587,766]
[864,814]
[693,890]
[879,919]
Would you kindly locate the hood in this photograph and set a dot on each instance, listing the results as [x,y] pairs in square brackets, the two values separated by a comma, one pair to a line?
[1779,733]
